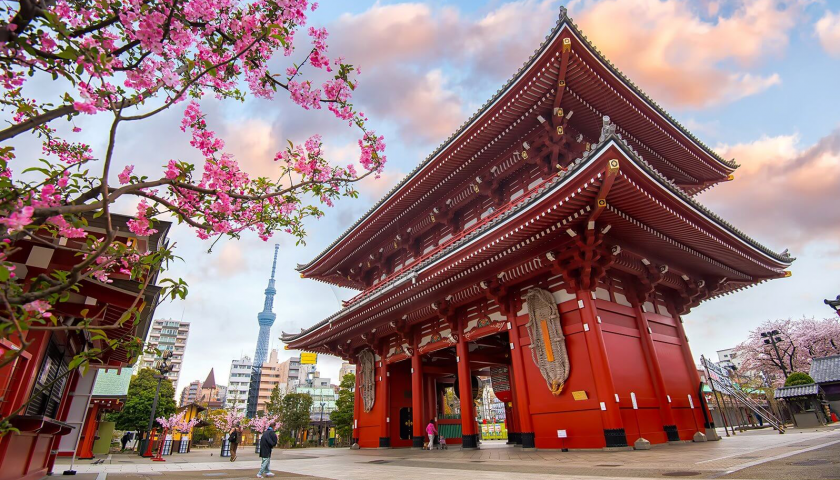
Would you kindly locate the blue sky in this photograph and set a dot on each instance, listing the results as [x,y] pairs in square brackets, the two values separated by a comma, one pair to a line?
[754,79]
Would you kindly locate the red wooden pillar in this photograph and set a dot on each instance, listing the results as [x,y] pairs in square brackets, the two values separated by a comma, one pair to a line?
[655,369]
[469,435]
[510,424]
[417,427]
[357,408]
[88,433]
[523,410]
[429,400]
[701,410]
[614,434]
[385,398]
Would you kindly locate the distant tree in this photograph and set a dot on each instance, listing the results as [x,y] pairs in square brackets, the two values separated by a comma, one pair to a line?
[818,338]
[138,405]
[342,416]
[274,405]
[213,420]
[798,343]
[295,418]
[798,378]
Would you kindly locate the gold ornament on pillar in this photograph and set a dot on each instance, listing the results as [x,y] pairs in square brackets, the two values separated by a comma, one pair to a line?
[548,344]
[367,382]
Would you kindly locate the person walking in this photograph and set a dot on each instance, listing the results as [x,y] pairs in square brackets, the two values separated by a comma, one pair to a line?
[431,431]
[267,442]
[234,438]
[124,440]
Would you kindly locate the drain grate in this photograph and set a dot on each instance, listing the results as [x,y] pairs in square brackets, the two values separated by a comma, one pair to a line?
[379,462]
[747,457]
[680,474]
[215,474]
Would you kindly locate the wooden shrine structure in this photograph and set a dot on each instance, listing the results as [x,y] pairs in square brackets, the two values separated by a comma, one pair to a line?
[551,243]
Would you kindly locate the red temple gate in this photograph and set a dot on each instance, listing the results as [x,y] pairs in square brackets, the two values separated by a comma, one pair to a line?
[570,182]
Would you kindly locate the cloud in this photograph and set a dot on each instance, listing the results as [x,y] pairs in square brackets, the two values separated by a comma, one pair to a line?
[828,31]
[691,58]
[416,59]
[782,193]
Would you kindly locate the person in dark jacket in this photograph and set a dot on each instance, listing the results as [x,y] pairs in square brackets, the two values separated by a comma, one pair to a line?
[234,438]
[124,440]
[267,442]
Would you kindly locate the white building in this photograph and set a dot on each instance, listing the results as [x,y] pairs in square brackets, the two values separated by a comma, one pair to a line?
[239,381]
[727,358]
[168,335]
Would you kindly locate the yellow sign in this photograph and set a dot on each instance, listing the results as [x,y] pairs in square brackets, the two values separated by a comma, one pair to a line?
[580,395]
[308,358]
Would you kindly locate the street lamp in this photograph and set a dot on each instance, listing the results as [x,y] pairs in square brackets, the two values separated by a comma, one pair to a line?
[163,367]
[772,338]
[321,427]
[834,304]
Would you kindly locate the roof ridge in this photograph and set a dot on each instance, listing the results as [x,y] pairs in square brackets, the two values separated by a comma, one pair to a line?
[563,19]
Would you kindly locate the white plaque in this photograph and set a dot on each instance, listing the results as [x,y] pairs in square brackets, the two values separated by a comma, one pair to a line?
[633,398]
[561,434]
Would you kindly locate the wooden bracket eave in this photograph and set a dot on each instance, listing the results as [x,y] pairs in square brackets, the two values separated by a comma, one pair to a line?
[566,50]
[610,174]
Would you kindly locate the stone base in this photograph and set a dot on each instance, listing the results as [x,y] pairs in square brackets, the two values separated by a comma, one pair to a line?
[417,442]
[672,433]
[641,444]
[384,442]
[615,437]
[469,442]
[699,437]
[527,440]
[712,435]
[355,446]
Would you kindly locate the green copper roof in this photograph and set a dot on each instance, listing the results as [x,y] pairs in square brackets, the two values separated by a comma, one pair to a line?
[112,384]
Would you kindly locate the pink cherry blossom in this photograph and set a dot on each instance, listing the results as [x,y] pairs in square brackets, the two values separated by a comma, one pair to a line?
[125,176]
[38,308]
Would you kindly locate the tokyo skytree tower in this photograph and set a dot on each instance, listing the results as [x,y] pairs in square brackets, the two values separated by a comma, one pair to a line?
[266,320]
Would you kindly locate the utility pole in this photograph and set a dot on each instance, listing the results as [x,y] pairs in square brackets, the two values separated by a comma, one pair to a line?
[163,367]
[772,338]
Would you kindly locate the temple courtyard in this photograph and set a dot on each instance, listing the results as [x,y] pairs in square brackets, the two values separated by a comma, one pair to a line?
[759,454]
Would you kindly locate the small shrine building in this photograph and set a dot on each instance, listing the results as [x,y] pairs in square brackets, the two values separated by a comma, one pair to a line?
[552,243]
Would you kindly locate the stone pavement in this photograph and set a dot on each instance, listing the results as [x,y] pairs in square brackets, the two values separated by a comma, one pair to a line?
[755,454]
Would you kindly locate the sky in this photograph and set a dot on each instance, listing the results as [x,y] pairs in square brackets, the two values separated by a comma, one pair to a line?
[754,79]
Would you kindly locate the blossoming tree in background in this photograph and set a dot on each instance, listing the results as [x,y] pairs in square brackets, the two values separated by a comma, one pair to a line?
[130,60]
[799,341]
[261,424]
[231,420]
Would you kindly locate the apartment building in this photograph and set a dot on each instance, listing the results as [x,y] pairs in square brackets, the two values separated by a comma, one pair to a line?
[168,335]
[239,381]
[286,374]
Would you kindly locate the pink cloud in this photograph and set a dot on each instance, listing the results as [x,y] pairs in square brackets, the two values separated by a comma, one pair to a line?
[828,31]
[683,57]
[783,193]
[404,51]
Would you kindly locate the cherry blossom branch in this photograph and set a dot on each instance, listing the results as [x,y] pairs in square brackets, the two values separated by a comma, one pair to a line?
[192,82]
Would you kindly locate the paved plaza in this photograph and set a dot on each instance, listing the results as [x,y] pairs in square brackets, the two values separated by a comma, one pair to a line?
[761,454]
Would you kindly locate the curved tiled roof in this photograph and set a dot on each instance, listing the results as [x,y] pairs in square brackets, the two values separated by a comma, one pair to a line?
[563,20]
[826,369]
[546,189]
[797,391]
